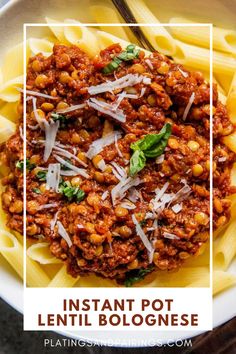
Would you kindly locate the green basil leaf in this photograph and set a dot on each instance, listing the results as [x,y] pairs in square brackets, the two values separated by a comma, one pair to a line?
[150,141]
[137,162]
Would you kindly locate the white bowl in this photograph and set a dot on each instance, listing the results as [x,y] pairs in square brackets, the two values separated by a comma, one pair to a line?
[12,17]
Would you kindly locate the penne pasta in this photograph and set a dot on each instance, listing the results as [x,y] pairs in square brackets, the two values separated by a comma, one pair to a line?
[223,39]
[81,36]
[231,100]
[104,12]
[40,252]
[226,248]
[183,277]
[158,35]
[199,59]
[62,279]
[12,251]
[106,39]
[225,81]
[222,281]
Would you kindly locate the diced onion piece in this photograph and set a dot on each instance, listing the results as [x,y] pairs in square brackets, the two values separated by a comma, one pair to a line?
[53,176]
[98,145]
[63,233]
[79,171]
[124,81]
[143,237]
[160,159]
[190,102]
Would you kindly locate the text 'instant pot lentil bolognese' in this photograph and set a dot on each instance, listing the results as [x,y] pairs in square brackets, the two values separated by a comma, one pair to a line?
[118,161]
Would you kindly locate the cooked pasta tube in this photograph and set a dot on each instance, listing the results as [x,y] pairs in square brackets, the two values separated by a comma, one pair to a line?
[58,31]
[105,39]
[222,281]
[225,81]
[230,141]
[62,279]
[231,100]
[226,248]
[158,35]
[104,12]
[43,46]
[10,111]
[81,36]
[183,277]
[223,39]
[40,252]
[7,128]
[9,92]
[199,59]
[11,67]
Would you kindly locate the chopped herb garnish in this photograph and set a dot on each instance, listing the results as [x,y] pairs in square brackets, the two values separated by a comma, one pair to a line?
[36,190]
[129,54]
[42,175]
[151,146]
[56,116]
[29,166]
[136,275]
[71,192]
[143,222]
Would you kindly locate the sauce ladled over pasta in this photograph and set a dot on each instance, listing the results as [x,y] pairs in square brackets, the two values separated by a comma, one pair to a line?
[118,161]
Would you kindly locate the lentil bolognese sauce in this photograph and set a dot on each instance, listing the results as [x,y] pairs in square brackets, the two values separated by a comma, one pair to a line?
[118,161]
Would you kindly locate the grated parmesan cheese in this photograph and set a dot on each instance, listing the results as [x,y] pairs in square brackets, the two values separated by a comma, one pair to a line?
[53,176]
[98,145]
[79,171]
[187,109]
[144,238]
[124,81]
[62,232]
[51,129]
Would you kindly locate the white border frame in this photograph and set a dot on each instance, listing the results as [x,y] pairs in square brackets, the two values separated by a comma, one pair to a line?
[210,26]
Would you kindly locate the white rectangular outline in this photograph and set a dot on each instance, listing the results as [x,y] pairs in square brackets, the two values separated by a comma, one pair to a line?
[210,25]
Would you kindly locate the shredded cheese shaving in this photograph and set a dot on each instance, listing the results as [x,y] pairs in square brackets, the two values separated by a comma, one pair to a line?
[53,176]
[79,171]
[124,81]
[107,108]
[62,232]
[98,145]
[187,109]
[51,129]
[143,237]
